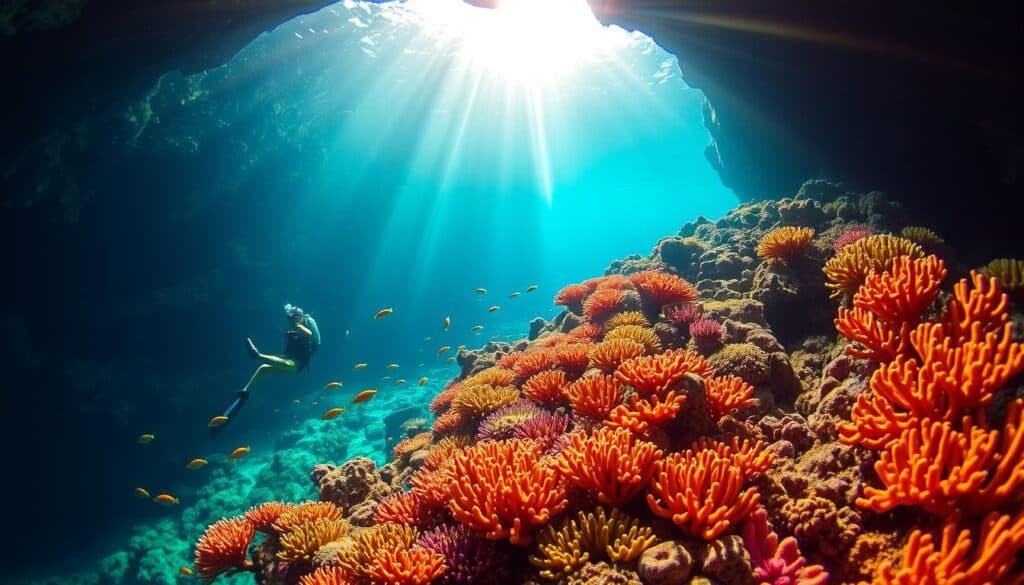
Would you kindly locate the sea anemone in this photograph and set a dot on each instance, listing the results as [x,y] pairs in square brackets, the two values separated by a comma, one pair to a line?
[480,400]
[501,423]
[491,376]
[572,295]
[403,508]
[784,243]
[922,235]
[848,269]
[586,330]
[657,374]
[627,318]
[594,396]
[663,288]
[774,562]
[682,315]
[607,355]
[407,447]
[263,516]
[357,559]
[471,560]
[224,548]
[849,234]
[601,302]
[413,566]
[642,335]
[574,357]
[705,329]
[444,449]
[299,544]
[1009,272]
[587,538]
[326,576]
[544,429]
[306,512]
[546,387]
[534,362]
[448,422]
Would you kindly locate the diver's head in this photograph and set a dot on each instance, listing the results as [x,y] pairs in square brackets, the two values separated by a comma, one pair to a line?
[293,313]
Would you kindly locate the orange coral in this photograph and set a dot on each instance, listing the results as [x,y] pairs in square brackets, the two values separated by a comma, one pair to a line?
[701,493]
[306,512]
[572,295]
[448,422]
[785,242]
[727,393]
[594,396]
[492,376]
[478,401]
[444,449]
[401,508]
[750,457]
[641,414]
[616,281]
[546,387]
[574,357]
[642,335]
[408,446]
[299,544]
[848,269]
[508,361]
[601,302]
[358,559]
[431,487]
[586,330]
[958,558]
[534,362]
[505,489]
[612,462]
[607,355]
[224,548]
[325,576]
[657,374]
[979,300]
[627,318]
[443,400]
[663,288]
[414,566]
[263,516]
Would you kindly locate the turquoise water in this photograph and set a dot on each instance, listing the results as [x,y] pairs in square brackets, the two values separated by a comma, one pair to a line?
[368,156]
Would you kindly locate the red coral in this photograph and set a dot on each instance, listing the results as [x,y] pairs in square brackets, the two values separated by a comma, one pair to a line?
[534,362]
[399,566]
[706,329]
[448,422]
[727,393]
[574,357]
[701,493]
[403,508]
[586,330]
[664,288]
[774,562]
[505,490]
[656,374]
[594,396]
[601,302]
[263,516]
[612,462]
[572,295]
[224,548]
[546,387]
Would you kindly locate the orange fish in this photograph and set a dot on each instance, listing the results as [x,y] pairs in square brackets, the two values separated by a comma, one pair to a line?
[383,313]
[166,499]
[443,349]
[423,380]
[186,571]
[332,413]
[217,421]
[239,452]
[364,396]
[196,463]
[145,439]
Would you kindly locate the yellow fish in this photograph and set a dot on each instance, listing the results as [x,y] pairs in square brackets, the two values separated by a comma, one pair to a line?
[332,385]
[196,463]
[383,313]
[447,323]
[443,349]
[477,328]
[332,413]
[392,366]
[145,439]
[513,295]
[239,452]
[364,396]
[186,571]
[217,421]
[449,360]
[531,288]
[399,381]
[481,291]
[461,347]
[493,308]
[142,493]
[359,366]
[423,380]
[166,499]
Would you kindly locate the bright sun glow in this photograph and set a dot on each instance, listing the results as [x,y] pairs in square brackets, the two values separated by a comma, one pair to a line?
[532,42]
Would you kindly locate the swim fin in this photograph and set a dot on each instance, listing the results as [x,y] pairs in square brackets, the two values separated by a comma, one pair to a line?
[241,397]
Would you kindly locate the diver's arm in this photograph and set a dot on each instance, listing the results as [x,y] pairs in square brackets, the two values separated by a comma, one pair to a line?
[304,329]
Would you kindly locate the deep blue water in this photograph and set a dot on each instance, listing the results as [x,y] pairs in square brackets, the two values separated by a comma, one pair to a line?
[361,157]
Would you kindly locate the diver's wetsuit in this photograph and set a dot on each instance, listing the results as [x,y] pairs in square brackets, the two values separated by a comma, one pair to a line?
[298,346]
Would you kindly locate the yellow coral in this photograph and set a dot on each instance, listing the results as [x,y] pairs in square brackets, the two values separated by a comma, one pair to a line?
[784,242]
[588,537]
[482,399]
[921,235]
[491,376]
[626,318]
[299,544]
[642,335]
[1010,273]
[357,558]
[846,271]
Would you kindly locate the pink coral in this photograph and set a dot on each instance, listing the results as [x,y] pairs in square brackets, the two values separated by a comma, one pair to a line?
[850,234]
[775,562]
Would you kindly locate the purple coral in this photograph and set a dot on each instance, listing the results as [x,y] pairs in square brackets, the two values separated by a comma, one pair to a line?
[774,562]
[705,329]
[545,428]
[850,234]
[682,315]
[470,558]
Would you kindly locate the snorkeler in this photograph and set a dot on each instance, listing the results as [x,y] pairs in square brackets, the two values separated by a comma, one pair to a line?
[302,338]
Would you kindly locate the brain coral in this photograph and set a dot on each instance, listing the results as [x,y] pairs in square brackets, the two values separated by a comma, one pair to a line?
[784,243]
[846,271]
[742,359]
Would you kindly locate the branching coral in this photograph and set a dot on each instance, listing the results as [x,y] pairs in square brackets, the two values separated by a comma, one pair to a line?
[263,516]
[612,462]
[749,456]
[846,271]
[588,537]
[546,387]
[602,302]
[626,318]
[299,544]
[594,396]
[306,512]
[471,560]
[505,489]
[480,400]
[413,566]
[657,374]
[640,414]
[663,288]
[784,243]
[642,335]
[1009,272]
[607,355]
[223,548]
[727,393]
[701,493]
[774,562]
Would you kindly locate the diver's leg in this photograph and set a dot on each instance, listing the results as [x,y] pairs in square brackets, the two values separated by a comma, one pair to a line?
[280,366]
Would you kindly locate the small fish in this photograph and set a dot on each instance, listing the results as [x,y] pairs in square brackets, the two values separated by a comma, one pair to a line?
[314,403]
[449,360]
[443,349]
[166,499]
[296,402]
[359,366]
[461,347]
[385,378]
[447,323]
[514,295]
[427,338]
[531,288]
[493,308]
[142,493]
[392,366]
[476,328]
[239,452]
[423,380]
[332,385]
[383,313]
[481,291]
[185,571]
[196,463]
[399,381]
[332,413]
[346,333]
[145,439]
[364,396]
[217,421]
